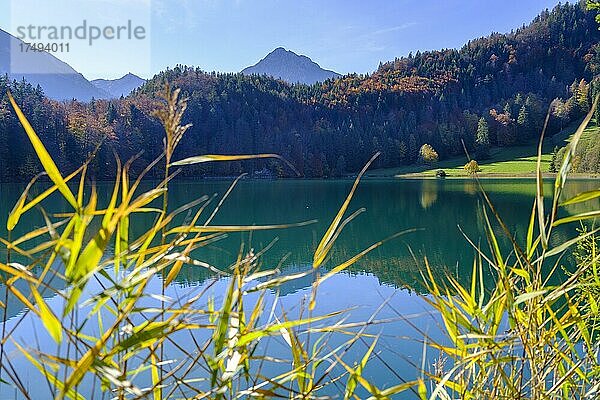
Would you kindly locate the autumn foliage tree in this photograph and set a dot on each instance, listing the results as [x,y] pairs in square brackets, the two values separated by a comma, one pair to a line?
[428,155]
[472,167]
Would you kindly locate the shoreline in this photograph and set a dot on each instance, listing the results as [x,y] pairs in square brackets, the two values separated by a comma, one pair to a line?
[418,175]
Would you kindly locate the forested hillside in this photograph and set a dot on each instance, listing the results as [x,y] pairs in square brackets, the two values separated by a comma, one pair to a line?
[495,91]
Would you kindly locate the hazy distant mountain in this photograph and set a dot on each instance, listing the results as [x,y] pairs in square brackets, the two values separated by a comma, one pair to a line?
[291,67]
[58,80]
[119,87]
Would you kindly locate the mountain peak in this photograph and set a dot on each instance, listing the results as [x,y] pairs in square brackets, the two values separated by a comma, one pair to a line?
[119,87]
[58,79]
[291,67]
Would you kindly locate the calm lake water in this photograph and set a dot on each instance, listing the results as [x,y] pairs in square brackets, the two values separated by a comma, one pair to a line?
[438,208]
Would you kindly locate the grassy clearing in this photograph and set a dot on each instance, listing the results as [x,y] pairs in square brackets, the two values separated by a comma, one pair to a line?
[511,161]
[517,161]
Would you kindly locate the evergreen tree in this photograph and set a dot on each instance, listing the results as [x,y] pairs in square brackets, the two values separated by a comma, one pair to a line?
[508,110]
[482,139]
[413,150]
[111,113]
[402,152]
[519,99]
[524,123]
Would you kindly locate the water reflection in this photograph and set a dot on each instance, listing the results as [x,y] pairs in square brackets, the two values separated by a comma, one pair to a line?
[440,209]
[429,193]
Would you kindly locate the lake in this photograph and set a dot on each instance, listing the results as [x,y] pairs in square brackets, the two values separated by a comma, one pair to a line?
[440,210]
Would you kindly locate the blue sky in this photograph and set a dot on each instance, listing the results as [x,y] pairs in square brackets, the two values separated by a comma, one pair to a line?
[343,35]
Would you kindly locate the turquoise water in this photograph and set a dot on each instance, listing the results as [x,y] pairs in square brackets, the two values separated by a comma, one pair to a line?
[441,211]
